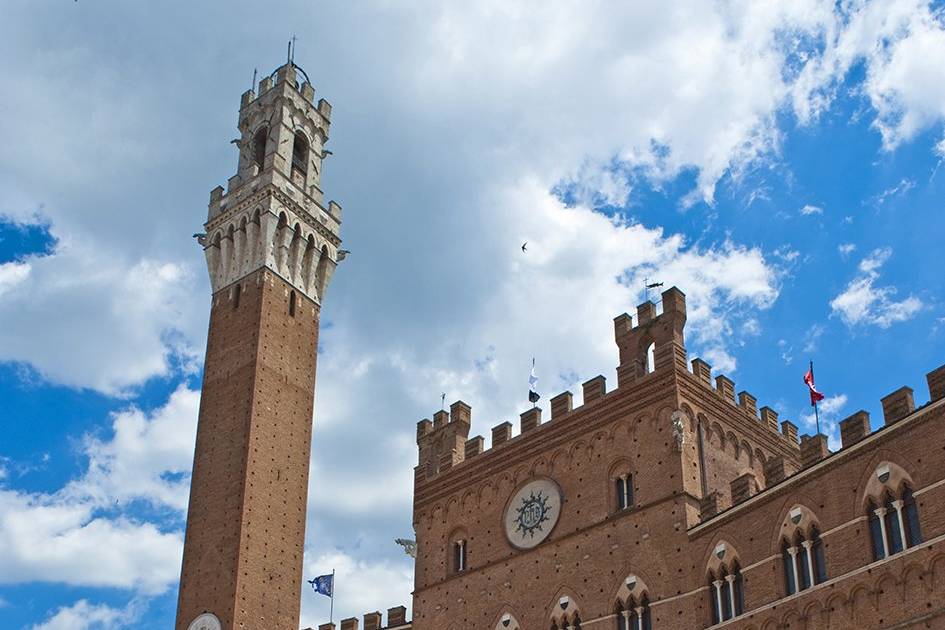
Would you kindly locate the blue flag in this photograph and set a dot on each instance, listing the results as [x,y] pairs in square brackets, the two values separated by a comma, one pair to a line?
[324,584]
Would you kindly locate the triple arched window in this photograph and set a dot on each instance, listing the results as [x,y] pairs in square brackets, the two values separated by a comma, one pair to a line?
[572,623]
[635,615]
[893,523]
[803,560]
[726,593]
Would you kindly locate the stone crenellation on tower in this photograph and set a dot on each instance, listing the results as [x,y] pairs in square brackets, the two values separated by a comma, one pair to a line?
[272,214]
[271,247]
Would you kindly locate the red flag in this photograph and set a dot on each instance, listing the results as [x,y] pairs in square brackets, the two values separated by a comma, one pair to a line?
[814,394]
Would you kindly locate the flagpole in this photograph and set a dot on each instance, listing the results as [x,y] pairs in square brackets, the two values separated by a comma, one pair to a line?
[816,413]
[331,607]
[535,402]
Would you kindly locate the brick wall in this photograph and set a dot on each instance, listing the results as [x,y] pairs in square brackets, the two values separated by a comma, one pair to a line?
[246,520]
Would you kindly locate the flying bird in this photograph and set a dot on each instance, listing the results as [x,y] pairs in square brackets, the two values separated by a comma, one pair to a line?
[523,246]
[342,254]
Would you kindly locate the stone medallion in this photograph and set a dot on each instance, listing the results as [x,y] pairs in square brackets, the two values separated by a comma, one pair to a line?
[206,621]
[532,513]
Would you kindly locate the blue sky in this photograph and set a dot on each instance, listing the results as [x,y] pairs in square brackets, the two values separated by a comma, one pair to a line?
[780,163]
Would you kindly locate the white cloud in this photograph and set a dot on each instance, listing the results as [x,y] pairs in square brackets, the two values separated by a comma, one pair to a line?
[875,260]
[812,337]
[809,209]
[897,41]
[89,319]
[787,254]
[786,350]
[11,275]
[904,186]
[59,537]
[46,538]
[85,616]
[147,457]
[751,327]
[861,302]
[846,249]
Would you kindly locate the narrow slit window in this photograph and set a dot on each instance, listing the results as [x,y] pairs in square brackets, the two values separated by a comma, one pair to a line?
[300,155]
[893,533]
[820,563]
[624,488]
[911,517]
[236,296]
[876,532]
[459,556]
[259,147]
[292,300]
[790,584]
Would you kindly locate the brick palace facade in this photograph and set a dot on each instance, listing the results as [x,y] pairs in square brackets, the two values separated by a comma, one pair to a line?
[671,502]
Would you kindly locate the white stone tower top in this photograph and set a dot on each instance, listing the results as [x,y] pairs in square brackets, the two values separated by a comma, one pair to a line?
[272,213]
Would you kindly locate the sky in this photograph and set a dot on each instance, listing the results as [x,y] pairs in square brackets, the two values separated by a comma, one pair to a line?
[778,162]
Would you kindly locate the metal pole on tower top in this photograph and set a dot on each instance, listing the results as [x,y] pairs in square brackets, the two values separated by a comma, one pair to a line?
[331,607]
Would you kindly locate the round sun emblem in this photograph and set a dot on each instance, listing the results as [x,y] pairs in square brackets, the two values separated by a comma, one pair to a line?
[532,513]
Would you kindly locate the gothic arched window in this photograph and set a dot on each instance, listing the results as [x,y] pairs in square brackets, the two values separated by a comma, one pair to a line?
[894,526]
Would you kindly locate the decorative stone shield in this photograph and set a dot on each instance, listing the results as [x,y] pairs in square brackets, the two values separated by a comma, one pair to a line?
[206,621]
[532,513]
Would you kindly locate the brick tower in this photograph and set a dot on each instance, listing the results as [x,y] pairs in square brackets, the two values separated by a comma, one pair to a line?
[271,247]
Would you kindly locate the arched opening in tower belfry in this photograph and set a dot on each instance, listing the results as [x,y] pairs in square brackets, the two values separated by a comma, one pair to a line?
[321,271]
[259,147]
[299,156]
[651,358]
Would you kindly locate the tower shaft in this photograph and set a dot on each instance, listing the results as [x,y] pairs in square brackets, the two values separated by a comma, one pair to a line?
[246,521]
